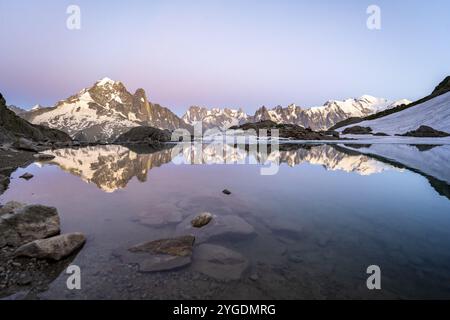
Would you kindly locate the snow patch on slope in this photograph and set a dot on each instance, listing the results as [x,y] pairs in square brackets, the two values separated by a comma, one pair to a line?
[434,113]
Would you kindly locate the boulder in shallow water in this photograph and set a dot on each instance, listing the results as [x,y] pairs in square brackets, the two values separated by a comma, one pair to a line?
[160,255]
[26,176]
[226,191]
[181,246]
[219,262]
[20,224]
[54,248]
[201,220]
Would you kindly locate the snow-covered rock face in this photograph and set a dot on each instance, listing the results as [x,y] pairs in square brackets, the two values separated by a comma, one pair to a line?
[215,118]
[434,113]
[103,112]
[317,118]
[324,117]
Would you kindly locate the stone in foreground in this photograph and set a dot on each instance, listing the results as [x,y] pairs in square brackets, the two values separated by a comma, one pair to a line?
[26,176]
[20,224]
[181,246]
[55,248]
[219,262]
[161,255]
[201,220]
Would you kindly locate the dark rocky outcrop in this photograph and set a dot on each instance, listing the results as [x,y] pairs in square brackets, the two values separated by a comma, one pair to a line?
[12,128]
[357,130]
[290,131]
[425,132]
[144,135]
[381,134]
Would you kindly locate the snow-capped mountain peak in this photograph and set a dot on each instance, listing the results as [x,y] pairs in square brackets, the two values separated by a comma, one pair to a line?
[104,111]
[36,107]
[105,81]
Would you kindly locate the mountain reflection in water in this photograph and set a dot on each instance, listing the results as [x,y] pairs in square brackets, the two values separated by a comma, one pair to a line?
[112,167]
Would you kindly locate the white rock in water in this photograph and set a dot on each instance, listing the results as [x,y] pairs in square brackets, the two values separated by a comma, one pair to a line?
[219,262]
[54,248]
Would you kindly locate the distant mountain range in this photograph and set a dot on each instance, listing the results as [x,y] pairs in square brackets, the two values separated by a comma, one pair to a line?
[108,109]
[316,118]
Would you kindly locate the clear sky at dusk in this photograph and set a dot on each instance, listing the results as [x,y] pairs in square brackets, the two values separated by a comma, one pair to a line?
[224,53]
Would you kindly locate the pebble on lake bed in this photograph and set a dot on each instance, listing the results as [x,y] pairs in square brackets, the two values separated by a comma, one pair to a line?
[226,191]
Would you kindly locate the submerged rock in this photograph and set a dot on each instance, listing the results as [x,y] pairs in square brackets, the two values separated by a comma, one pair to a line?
[226,191]
[426,132]
[160,255]
[20,224]
[180,246]
[357,130]
[201,220]
[219,262]
[26,176]
[160,215]
[163,263]
[223,226]
[54,248]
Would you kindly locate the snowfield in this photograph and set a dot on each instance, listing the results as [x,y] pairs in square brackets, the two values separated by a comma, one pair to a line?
[434,113]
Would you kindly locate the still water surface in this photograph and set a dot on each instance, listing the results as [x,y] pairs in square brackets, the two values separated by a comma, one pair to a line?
[311,229]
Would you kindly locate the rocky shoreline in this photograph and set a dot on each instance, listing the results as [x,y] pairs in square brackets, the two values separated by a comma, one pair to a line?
[31,248]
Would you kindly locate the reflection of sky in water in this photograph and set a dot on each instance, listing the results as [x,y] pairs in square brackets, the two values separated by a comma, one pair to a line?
[352,210]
